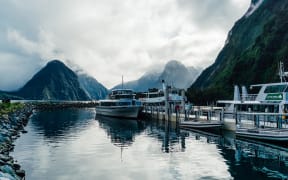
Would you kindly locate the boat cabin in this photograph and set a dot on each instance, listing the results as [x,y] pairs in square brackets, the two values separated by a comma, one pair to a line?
[268,98]
[120,102]
[155,96]
[122,94]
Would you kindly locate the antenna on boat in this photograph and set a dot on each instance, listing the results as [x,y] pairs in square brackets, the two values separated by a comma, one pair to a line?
[122,81]
[282,73]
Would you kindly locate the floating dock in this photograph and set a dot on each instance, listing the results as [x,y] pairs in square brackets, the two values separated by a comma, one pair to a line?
[216,115]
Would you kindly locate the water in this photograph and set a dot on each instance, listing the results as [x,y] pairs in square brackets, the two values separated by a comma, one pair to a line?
[73,144]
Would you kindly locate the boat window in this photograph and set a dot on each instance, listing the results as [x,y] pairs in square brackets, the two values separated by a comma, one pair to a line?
[285,110]
[117,92]
[257,108]
[276,108]
[108,104]
[118,96]
[254,89]
[124,103]
[153,90]
[158,94]
[275,88]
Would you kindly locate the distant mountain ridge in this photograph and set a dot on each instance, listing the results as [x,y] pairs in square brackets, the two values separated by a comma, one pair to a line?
[53,82]
[174,73]
[56,81]
[254,47]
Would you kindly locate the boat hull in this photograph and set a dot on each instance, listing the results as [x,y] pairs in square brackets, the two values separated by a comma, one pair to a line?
[276,136]
[119,111]
[200,125]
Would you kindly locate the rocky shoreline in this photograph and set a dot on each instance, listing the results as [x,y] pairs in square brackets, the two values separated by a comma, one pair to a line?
[11,125]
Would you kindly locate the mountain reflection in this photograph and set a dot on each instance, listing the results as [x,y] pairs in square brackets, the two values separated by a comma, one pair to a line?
[58,124]
[80,137]
[248,158]
[121,131]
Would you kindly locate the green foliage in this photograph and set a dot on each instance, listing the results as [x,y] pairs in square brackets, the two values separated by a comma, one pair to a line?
[6,108]
[207,96]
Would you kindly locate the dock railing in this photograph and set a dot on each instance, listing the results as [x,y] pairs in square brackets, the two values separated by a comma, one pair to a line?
[207,113]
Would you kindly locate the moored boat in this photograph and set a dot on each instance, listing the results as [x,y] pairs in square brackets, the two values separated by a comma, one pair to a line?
[262,114]
[121,103]
[263,98]
[267,134]
[201,124]
[155,96]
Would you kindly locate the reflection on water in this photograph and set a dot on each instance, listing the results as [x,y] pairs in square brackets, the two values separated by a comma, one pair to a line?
[271,161]
[58,123]
[121,131]
[74,144]
[247,158]
[169,134]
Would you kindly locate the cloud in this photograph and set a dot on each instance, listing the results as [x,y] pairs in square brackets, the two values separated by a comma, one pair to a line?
[110,38]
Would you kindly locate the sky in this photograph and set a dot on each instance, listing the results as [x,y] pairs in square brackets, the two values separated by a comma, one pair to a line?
[111,38]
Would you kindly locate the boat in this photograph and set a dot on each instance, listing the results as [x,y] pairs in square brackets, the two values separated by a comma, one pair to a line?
[262,114]
[265,98]
[156,96]
[201,124]
[120,103]
[267,134]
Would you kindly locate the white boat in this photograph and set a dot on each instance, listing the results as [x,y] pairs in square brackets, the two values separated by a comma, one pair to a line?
[201,124]
[267,134]
[121,103]
[263,114]
[156,96]
[265,98]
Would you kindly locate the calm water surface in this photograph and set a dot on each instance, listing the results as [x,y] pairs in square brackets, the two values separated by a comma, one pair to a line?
[76,144]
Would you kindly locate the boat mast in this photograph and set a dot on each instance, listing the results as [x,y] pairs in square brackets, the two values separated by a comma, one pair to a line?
[282,74]
[122,81]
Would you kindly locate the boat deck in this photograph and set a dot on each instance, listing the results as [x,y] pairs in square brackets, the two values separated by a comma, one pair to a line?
[266,134]
[201,124]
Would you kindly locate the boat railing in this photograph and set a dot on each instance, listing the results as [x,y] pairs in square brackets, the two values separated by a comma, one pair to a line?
[260,119]
[248,97]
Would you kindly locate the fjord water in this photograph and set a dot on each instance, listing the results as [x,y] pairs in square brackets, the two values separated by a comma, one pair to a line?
[77,144]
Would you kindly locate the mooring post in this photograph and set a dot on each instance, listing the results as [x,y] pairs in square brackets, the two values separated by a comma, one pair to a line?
[222,115]
[183,102]
[166,100]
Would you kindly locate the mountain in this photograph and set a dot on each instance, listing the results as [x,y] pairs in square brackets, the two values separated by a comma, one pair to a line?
[174,73]
[254,47]
[145,82]
[54,82]
[7,95]
[92,87]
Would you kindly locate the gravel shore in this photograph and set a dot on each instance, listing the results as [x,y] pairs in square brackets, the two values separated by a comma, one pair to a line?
[11,125]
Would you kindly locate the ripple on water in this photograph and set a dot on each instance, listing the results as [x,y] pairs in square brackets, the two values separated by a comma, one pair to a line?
[73,144]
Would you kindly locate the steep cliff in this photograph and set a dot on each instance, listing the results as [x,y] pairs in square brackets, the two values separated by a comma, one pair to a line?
[254,47]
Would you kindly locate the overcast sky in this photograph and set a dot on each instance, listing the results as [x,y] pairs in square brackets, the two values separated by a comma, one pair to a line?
[110,38]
